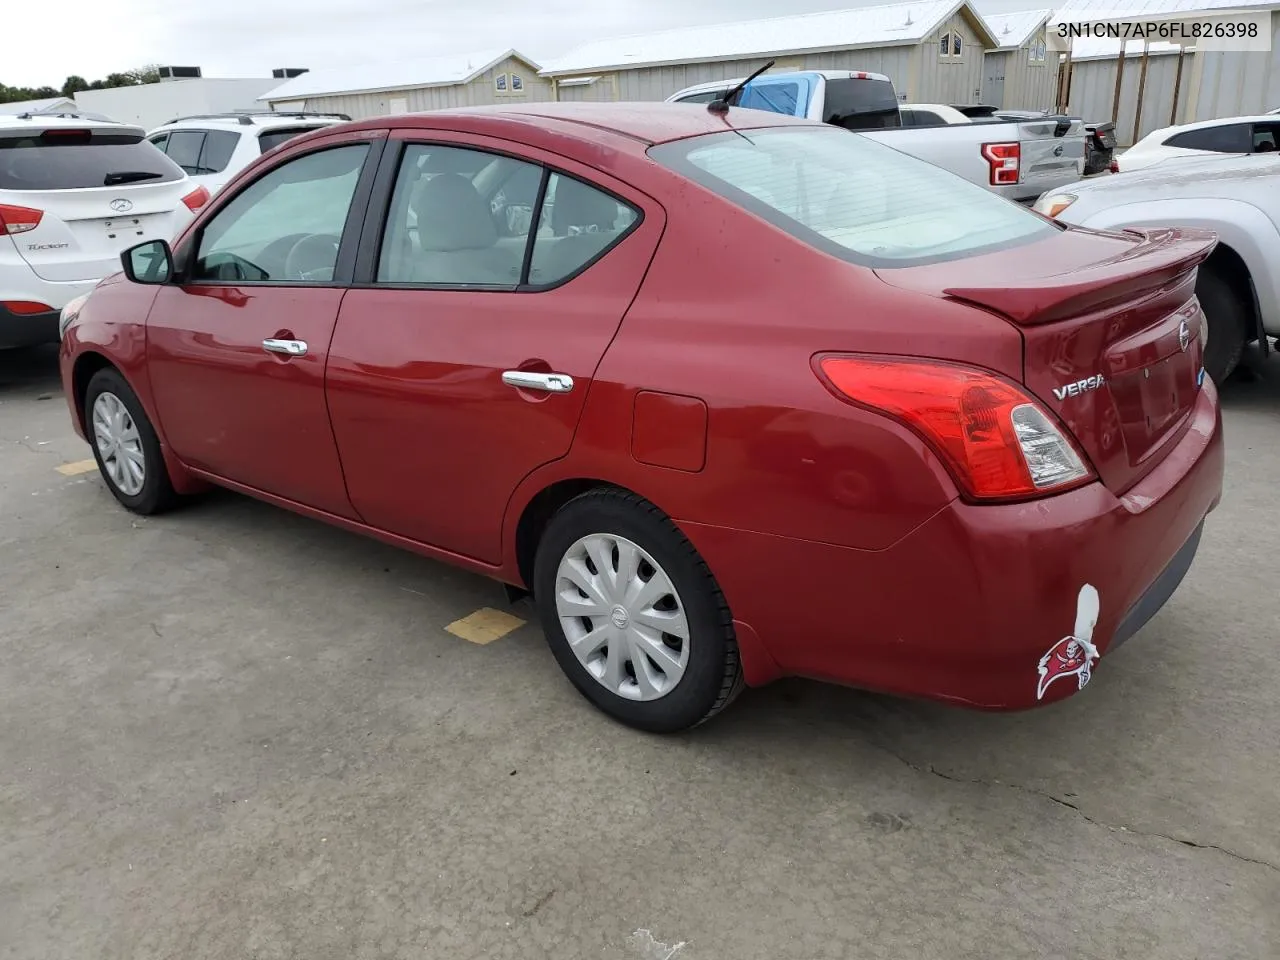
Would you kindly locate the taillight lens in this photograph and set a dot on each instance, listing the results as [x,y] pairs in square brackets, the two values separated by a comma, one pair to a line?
[26,307]
[1004,159]
[996,441]
[18,219]
[1115,166]
[196,199]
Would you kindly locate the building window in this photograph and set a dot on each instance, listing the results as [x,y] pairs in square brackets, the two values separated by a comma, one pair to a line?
[517,83]
[1038,51]
[500,83]
[957,43]
[944,47]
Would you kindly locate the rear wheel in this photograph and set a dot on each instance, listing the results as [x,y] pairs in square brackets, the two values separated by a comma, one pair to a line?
[633,615]
[1228,321]
[125,444]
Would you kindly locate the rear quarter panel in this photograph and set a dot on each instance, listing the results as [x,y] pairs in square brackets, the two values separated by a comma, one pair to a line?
[1242,226]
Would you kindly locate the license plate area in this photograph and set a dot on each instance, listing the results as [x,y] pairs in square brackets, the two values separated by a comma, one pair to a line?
[125,229]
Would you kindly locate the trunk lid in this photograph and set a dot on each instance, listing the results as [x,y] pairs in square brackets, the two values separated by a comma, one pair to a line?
[1111,331]
[98,189]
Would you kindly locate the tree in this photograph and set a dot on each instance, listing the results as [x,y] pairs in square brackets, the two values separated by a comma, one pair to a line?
[74,84]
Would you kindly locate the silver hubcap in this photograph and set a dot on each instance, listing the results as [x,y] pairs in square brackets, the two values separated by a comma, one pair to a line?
[116,437]
[622,617]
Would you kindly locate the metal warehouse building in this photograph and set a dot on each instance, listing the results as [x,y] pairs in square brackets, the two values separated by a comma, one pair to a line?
[1158,84]
[407,86]
[932,50]
[1020,74]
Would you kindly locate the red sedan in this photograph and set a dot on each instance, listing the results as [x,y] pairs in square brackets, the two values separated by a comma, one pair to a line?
[733,396]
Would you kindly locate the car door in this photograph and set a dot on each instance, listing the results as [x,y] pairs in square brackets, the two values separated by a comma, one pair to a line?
[464,353]
[237,346]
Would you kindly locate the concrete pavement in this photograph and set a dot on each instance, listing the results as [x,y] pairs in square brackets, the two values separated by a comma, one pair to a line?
[234,733]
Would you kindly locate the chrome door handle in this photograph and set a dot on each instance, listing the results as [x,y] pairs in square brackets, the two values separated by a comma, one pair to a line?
[290,348]
[527,380]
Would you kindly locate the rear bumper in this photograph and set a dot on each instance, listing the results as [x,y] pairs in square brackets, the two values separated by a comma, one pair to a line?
[27,329]
[965,607]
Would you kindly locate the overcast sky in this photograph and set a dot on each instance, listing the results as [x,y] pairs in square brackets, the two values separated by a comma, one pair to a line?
[247,38]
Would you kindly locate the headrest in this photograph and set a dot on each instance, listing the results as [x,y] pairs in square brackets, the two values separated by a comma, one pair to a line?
[577,205]
[452,215]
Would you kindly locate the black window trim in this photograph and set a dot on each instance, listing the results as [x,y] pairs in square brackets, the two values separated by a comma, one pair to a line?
[378,209]
[348,246]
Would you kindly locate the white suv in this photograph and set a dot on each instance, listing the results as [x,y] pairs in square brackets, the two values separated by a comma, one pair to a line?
[74,193]
[213,148]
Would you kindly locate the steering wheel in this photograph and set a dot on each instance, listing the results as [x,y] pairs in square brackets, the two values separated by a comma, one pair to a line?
[313,257]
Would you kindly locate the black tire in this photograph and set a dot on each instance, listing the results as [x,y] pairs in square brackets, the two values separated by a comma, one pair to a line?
[713,674]
[156,494]
[1230,326]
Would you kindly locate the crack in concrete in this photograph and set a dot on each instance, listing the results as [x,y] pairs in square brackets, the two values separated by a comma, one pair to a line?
[26,445]
[1044,795]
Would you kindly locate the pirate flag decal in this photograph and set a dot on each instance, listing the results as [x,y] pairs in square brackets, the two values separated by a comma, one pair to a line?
[1073,655]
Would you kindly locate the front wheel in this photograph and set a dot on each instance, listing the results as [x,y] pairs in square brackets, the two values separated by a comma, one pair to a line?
[1228,321]
[633,615]
[125,444]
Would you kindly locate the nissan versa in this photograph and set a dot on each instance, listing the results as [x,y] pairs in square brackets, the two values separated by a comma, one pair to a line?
[732,395]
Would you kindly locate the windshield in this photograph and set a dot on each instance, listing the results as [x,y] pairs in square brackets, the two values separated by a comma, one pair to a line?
[76,160]
[852,197]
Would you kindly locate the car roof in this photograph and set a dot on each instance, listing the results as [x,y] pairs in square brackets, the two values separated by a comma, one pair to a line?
[642,123]
[245,121]
[41,122]
[1163,132]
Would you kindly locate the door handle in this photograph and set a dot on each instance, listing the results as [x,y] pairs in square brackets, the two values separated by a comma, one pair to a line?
[528,380]
[290,348]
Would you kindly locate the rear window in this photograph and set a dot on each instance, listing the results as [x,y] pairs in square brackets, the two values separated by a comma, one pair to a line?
[66,161]
[270,139]
[860,104]
[852,197]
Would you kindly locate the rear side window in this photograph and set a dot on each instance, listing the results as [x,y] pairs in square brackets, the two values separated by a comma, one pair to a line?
[852,197]
[270,139]
[1228,138]
[774,97]
[75,160]
[184,149]
[924,118]
[219,145]
[861,104]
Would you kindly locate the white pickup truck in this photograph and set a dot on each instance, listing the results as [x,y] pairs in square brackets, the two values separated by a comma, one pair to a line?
[1018,159]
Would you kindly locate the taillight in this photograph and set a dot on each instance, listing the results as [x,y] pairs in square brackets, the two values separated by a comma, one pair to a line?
[196,199]
[1115,166]
[26,307]
[18,219]
[1003,159]
[996,441]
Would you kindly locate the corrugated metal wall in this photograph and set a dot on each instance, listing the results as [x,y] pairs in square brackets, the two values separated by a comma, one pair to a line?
[1027,85]
[1093,89]
[478,92]
[658,83]
[950,79]
[1239,84]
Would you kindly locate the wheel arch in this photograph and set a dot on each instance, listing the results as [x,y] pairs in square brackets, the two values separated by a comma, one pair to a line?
[86,365]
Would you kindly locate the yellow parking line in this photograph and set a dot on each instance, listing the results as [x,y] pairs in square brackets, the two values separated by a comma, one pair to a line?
[79,467]
[484,626]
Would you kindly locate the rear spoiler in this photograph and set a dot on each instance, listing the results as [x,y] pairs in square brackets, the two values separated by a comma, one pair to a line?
[1160,256]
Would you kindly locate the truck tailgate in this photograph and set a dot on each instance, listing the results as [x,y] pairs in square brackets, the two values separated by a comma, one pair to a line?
[1050,159]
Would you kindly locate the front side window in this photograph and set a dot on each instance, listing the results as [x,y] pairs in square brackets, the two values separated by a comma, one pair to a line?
[706,96]
[286,226]
[464,218]
[852,197]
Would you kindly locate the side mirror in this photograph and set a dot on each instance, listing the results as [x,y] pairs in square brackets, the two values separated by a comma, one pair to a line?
[150,262]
